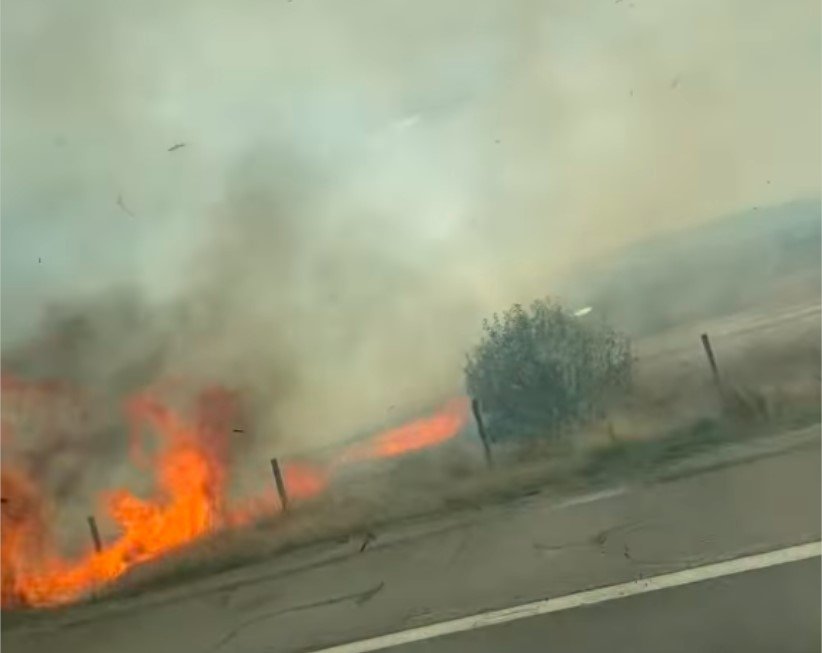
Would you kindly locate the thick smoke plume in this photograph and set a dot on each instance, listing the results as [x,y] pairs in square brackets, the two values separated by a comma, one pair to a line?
[360,182]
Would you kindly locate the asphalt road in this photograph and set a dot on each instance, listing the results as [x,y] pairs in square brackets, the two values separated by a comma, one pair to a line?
[478,561]
[731,331]
[767,610]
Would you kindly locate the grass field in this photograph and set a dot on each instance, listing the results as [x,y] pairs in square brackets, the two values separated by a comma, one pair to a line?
[771,387]
[769,361]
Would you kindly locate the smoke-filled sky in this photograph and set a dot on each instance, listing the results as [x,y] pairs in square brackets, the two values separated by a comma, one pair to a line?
[363,180]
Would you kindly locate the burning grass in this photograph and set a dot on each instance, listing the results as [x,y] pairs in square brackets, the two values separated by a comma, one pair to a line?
[189,499]
[674,420]
[336,524]
[186,524]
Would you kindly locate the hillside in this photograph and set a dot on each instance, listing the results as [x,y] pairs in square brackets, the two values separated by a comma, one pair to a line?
[755,257]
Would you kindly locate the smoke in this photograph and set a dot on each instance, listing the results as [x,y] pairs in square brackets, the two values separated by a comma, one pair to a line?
[361,182]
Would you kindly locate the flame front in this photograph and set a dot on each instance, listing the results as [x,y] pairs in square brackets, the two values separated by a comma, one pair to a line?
[190,482]
[189,499]
[419,434]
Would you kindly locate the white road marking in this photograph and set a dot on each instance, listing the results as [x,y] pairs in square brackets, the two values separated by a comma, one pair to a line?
[589,597]
[591,498]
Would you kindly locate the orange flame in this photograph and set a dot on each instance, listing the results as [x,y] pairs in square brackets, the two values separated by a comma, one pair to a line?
[189,500]
[419,434]
[23,532]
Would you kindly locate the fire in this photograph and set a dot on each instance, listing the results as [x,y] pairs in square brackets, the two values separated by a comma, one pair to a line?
[23,532]
[190,468]
[419,434]
[303,480]
[188,501]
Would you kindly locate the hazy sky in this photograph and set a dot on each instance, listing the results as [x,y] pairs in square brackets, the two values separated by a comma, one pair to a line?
[364,179]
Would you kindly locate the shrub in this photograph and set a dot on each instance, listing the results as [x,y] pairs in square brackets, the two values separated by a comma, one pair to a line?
[538,372]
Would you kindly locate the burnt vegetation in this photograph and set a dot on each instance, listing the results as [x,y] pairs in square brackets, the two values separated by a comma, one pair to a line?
[541,371]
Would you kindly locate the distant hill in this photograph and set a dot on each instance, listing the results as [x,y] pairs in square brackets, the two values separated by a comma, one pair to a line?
[726,265]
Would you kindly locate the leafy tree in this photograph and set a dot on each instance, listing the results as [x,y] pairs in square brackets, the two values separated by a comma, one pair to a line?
[538,372]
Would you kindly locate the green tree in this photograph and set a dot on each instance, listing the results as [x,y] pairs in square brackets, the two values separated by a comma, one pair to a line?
[537,372]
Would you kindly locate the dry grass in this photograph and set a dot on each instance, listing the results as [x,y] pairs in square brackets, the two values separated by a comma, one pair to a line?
[675,411]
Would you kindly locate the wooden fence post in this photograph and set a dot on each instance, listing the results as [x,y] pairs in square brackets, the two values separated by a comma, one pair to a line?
[475,408]
[95,534]
[280,482]
[709,352]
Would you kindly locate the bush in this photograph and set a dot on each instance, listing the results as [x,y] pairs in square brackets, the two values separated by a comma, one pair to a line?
[538,372]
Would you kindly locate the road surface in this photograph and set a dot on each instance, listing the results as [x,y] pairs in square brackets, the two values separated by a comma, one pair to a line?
[772,609]
[735,329]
